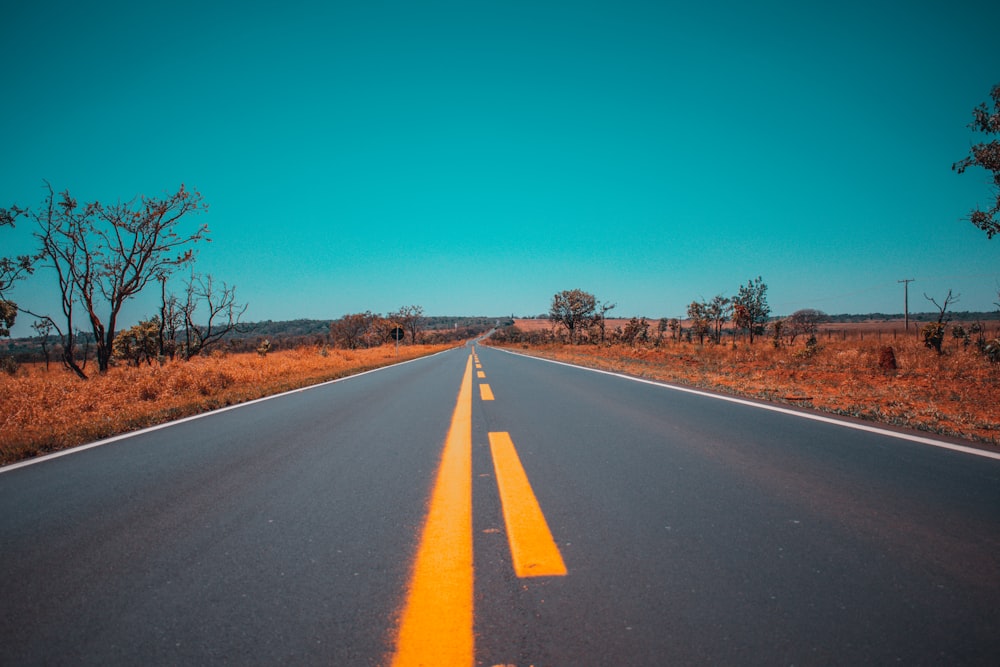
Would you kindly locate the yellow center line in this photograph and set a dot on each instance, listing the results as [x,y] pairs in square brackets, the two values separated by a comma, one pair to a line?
[485,393]
[436,627]
[532,547]
[480,374]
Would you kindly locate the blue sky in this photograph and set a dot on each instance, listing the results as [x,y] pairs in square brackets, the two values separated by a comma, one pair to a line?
[476,157]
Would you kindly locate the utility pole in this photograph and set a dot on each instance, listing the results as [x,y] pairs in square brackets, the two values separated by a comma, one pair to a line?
[906,302]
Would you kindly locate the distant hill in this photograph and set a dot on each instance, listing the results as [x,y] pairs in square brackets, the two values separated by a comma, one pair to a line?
[286,328]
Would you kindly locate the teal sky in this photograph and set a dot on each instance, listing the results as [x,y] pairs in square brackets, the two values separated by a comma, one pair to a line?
[476,157]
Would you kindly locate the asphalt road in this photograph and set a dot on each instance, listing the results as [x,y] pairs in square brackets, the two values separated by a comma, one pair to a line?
[693,531]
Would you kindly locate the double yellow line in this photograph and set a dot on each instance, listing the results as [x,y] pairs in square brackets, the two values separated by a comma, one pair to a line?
[436,626]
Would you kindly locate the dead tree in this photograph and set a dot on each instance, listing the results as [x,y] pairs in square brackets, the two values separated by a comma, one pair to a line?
[219,308]
[933,332]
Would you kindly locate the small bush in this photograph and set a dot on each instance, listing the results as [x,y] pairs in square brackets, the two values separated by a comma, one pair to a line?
[933,335]
[9,365]
[810,350]
[992,350]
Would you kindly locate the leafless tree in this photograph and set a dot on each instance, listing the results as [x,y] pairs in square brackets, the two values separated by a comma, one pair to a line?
[103,255]
[718,311]
[44,329]
[933,332]
[601,318]
[949,300]
[217,306]
[171,320]
[803,322]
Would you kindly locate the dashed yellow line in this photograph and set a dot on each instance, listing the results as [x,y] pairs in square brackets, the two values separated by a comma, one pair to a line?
[532,547]
[480,374]
[436,627]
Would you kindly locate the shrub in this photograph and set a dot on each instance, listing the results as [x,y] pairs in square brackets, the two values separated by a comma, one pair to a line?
[959,333]
[992,350]
[933,335]
[810,350]
[9,365]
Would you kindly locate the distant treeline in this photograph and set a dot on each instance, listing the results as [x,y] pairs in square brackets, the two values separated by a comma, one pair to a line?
[955,316]
[281,335]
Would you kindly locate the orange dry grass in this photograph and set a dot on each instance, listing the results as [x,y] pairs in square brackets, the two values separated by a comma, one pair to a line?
[46,411]
[956,394]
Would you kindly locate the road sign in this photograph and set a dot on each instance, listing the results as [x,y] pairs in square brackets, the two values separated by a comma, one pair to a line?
[398,333]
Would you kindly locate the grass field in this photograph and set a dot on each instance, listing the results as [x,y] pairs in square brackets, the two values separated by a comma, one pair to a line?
[955,394]
[44,411]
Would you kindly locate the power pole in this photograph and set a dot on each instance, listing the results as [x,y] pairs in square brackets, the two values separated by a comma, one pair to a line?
[906,302]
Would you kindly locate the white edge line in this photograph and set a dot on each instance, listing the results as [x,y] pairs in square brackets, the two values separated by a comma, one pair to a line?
[775,408]
[200,415]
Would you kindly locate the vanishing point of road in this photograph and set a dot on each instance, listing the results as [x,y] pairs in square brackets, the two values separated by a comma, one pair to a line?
[479,507]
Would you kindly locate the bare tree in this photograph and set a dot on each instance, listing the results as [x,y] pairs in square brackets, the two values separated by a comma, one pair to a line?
[44,329]
[104,255]
[803,322]
[601,318]
[171,321]
[949,299]
[933,332]
[718,311]
[217,305]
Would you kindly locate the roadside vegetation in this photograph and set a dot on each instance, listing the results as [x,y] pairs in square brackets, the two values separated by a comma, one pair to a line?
[45,411]
[942,378]
[87,375]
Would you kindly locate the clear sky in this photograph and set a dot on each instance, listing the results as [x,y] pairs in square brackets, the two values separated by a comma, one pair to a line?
[476,157]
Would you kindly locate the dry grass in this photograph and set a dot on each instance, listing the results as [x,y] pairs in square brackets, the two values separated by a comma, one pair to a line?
[43,411]
[955,394]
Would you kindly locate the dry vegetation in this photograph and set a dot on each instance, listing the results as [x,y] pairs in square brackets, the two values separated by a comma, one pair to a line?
[954,394]
[44,411]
